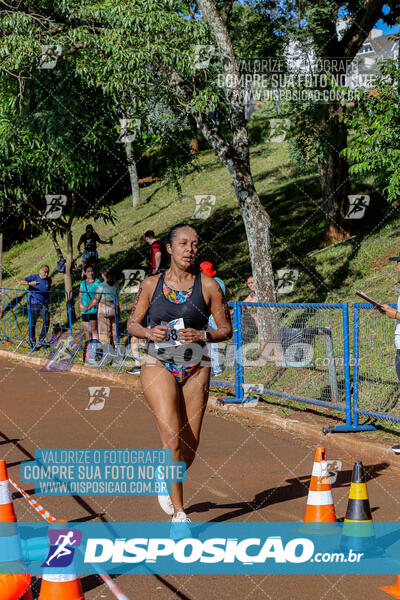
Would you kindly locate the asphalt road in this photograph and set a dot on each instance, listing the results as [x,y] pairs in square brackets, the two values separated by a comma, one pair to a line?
[241,473]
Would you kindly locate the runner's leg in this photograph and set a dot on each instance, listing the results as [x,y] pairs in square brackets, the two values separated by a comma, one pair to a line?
[194,396]
[162,393]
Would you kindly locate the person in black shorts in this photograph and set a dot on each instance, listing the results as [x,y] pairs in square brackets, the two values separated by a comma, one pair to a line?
[89,241]
[175,372]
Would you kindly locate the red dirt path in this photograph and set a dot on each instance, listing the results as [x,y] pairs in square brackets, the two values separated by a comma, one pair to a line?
[241,473]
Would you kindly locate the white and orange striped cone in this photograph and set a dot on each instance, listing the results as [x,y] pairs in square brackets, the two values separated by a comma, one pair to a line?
[61,587]
[320,507]
[7,512]
[65,586]
[15,582]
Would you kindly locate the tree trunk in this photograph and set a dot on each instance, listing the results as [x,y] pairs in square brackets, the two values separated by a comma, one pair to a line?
[56,245]
[70,300]
[257,225]
[68,263]
[334,178]
[1,259]
[133,175]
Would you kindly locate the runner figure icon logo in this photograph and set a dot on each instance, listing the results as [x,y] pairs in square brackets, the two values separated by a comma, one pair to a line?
[97,397]
[60,553]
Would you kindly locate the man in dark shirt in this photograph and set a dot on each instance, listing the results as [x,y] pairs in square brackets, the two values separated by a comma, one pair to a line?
[38,302]
[89,241]
[156,252]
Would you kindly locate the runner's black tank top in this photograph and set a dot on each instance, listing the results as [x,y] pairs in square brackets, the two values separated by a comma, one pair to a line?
[194,312]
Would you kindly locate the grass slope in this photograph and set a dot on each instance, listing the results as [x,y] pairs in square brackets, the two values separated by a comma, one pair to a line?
[292,198]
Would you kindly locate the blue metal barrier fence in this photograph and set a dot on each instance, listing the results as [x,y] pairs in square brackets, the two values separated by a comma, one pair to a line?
[303,354]
[293,351]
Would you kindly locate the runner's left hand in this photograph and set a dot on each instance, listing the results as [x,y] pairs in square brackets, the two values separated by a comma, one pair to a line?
[190,335]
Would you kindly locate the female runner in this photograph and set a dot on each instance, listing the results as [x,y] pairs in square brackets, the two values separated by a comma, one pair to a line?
[175,378]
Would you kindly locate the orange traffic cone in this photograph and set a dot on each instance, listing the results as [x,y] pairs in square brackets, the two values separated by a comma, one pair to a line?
[392,590]
[320,507]
[7,513]
[14,583]
[61,587]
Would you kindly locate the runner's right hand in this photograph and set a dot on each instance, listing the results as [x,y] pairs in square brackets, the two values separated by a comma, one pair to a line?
[158,333]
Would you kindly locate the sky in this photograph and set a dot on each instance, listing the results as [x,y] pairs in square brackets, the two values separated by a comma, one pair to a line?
[386,29]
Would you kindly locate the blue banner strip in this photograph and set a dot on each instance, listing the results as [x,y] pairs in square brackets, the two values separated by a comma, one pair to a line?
[207,548]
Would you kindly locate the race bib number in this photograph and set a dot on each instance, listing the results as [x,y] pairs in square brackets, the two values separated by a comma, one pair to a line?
[172,335]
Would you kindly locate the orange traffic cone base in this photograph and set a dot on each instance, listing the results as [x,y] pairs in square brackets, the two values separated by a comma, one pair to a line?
[66,590]
[320,507]
[320,514]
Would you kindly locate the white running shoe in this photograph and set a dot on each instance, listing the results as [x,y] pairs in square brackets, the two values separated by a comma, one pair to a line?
[179,526]
[164,500]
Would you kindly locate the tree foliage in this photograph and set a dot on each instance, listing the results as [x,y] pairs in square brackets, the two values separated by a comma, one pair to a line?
[374,148]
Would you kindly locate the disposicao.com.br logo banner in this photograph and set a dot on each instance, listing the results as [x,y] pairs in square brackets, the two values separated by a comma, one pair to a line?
[204,548]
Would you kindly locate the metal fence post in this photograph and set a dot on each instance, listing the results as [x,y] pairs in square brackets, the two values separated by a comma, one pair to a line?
[356,358]
[346,356]
[240,391]
[356,369]
[235,349]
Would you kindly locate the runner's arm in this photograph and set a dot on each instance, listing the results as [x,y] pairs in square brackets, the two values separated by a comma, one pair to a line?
[139,312]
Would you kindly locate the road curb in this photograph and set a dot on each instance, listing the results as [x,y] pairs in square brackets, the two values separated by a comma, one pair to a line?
[131,381]
[351,444]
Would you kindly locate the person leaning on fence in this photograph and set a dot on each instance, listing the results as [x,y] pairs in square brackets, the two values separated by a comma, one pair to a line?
[38,302]
[207,268]
[252,296]
[87,292]
[394,313]
[89,241]
[105,299]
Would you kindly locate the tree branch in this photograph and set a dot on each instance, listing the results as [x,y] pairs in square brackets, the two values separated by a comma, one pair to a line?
[356,34]
[234,92]
[226,12]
